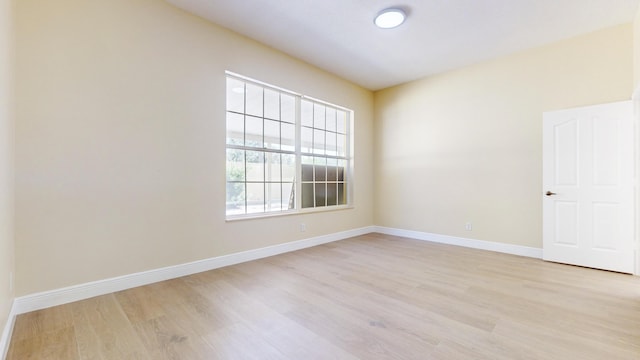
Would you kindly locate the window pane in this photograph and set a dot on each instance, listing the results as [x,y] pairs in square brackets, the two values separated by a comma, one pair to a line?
[288,133]
[274,197]
[332,171]
[342,193]
[255,198]
[331,143]
[235,129]
[253,136]
[331,119]
[271,104]
[272,134]
[306,113]
[288,108]
[332,194]
[318,116]
[320,169]
[341,145]
[254,100]
[255,166]
[235,198]
[306,143]
[235,165]
[288,168]
[307,160]
[235,95]
[307,195]
[341,169]
[307,172]
[288,196]
[342,122]
[318,141]
[321,194]
[273,167]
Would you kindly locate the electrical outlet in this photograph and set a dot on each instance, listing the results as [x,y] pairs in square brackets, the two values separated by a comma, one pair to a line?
[468,226]
[303,227]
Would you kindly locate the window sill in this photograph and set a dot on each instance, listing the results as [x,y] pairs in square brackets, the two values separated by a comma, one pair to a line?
[233,218]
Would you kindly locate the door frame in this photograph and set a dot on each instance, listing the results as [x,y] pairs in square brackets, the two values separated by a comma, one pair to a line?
[636,131]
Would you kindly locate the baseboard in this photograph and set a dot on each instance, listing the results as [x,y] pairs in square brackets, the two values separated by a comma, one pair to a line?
[69,294]
[66,295]
[470,243]
[5,340]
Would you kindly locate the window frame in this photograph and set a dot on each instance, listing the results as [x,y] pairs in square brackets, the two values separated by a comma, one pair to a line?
[348,158]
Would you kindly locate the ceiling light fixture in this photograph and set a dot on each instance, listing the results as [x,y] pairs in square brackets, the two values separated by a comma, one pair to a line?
[390,18]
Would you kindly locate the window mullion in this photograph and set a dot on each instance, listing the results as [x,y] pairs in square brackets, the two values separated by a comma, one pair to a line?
[348,176]
[281,202]
[244,152]
[265,193]
[313,160]
[298,146]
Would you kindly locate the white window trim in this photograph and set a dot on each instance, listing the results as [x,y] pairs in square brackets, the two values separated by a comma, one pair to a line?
[349,175]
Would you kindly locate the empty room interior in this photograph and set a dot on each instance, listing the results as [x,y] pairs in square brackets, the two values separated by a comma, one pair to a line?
[256,179]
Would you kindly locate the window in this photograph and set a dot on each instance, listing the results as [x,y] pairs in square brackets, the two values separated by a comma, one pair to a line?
[280,144]
[324,154]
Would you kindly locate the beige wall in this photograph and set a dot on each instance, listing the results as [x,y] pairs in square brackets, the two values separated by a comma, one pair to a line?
[120,140]
[466,145]
[6,163]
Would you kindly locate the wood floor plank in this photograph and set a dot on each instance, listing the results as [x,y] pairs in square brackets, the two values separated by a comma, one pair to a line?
[189,309]
[369,297]
[324,338]
[47,345]
[42,321]
[139,304]
[240,342]
[104,332]
[164,339]
[288,337]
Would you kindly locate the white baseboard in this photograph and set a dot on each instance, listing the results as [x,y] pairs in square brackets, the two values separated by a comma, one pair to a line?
[470,243]
[7,331]
[69,294]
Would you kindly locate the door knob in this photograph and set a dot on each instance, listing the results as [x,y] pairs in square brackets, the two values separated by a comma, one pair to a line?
[549,193]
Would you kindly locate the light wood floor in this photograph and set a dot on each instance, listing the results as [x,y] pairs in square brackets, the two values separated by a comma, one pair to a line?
[370,297]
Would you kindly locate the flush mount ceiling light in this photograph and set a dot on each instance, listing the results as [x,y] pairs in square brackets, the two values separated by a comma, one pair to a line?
[389,18]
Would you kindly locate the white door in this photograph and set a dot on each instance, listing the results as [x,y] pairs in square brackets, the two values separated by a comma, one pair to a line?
[588,186]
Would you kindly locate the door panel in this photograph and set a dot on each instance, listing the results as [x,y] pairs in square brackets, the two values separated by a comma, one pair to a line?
[566,214]
[588,172]
[606,164]
[606,235]
[566,157]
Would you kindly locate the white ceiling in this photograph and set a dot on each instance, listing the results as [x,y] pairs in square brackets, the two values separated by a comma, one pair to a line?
[439,35]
